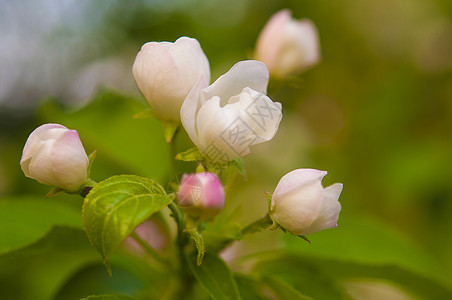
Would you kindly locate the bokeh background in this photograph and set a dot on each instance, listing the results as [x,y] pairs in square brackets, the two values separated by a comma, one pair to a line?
[376,113]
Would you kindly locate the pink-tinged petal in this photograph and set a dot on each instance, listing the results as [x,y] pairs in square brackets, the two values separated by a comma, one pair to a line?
[159,79]
[248,73]
[201,195]
[189,190]
[309,39]
[270,38]
[329,210]
[213,191]
[190,107]
[292,181]
[191,61]
[297,209]
[69,160]
[33,142]
[40,166]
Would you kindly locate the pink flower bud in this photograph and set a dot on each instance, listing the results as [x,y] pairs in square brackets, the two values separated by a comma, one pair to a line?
[54,155]
[302,206]
[288,46]
[201,195]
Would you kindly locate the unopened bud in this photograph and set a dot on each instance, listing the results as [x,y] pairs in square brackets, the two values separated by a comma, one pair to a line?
[201,195]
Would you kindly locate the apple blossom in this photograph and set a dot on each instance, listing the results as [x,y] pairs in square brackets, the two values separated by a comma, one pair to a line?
[302,206]
[233,113]
[165,73]
[201,194]
[288,46]
[54,155]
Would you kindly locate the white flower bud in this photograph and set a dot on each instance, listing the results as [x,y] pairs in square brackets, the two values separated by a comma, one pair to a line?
[288,46]
[302,206]
[166,72]
[54,155]
[233,113]
[201,195]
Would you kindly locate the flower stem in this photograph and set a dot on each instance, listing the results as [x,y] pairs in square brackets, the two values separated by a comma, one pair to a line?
[258,225]
[149,250]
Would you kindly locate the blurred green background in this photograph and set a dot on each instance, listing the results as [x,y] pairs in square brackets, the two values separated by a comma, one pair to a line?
[376,113]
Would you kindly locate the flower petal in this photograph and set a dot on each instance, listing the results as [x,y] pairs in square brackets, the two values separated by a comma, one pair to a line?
[329,210]
[270,37]
[296,210]
[248,73]
[159,79]
[190,107]
[191,61]
[32,143]
[69,161]
[296,179]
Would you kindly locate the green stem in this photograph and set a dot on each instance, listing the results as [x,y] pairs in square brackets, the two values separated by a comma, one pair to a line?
[149,250]
[258,225]
[175,210]
[173,153]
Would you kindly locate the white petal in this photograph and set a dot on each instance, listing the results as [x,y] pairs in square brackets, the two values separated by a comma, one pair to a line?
[212,123]
[159,79]
[263,115]
[32,143]
[299,50]
[296,210]
[191,61]
[329,210]
[296,179]
[270,39]
[190,107]
[70,162]
[249,73]
[309,38]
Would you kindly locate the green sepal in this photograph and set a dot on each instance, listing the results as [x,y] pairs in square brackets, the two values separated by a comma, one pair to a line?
[169,130]
[91,158]
[239,165]
[269,196]
[192,154]
[145,114]
[54,191]
[304,238]
[192,229]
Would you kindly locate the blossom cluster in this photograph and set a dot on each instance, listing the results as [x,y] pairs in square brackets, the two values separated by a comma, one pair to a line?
[223,120]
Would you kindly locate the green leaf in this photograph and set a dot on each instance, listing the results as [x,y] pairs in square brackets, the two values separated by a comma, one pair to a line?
[26,219]
[39,271]
[116,206]
[322,278]
[283,290]
[249,288]
[191,154]
[378,244]
[215,277]
[306,277]
[169,130]
[108,297]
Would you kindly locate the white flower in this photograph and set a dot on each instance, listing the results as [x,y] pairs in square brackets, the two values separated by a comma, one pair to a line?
[54,155]
[288,46]
[302,206]
[233,113]
[165,72]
